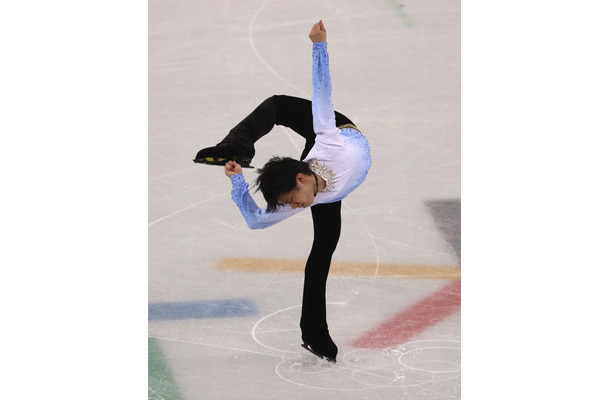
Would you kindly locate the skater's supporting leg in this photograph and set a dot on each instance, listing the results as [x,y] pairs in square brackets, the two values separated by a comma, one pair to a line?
[327,229]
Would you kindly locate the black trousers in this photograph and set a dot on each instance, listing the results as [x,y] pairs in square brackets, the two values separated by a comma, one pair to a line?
[296,114]
[291,112]
[326,232]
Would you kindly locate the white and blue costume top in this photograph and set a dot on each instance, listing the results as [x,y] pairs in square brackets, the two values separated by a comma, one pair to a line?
[340,156]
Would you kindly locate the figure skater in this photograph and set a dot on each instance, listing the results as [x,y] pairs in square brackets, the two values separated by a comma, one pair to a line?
[335,161]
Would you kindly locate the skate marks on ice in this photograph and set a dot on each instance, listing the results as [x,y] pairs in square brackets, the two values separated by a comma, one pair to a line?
[427,368]
[418,367]
[254,26]
[268,330]
[197,204]
[261,59]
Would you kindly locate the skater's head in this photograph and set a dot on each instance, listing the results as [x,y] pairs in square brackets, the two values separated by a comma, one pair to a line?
[286,181]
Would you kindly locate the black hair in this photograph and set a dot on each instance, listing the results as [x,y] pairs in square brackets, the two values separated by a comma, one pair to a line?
[279,175]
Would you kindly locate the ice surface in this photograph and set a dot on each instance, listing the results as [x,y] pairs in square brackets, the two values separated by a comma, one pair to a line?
[396,73]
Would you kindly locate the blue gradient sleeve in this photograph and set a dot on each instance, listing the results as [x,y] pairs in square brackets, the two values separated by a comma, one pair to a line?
[256,217]
[322,106]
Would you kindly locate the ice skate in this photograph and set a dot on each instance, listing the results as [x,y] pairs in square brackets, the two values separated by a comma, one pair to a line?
[321,346]
[312,351]
[223,153]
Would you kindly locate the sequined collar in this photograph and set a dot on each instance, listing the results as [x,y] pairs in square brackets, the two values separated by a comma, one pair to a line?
[324,172]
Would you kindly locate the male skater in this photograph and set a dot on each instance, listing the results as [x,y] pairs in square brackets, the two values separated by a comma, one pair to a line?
[335,161]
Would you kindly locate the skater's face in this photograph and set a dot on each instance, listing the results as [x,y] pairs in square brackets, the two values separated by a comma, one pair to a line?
[302,195]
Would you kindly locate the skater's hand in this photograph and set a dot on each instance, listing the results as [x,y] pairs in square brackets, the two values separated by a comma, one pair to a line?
[232,168]
[318,32]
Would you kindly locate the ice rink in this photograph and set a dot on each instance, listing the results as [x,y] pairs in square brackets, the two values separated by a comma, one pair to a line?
[128,272]
[224,301]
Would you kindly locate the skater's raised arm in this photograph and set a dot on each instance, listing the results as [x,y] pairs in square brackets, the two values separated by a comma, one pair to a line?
[322,104]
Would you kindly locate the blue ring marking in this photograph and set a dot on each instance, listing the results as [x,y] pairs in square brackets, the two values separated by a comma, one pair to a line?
[201,309]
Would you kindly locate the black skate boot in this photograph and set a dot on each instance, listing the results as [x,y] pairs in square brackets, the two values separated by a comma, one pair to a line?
[224,152]
[321,346]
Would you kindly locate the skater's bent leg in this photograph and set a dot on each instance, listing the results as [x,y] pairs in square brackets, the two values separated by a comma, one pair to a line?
[288,111]
[327,229]
[256,125]
[238,145]
[292,112]
[295,113]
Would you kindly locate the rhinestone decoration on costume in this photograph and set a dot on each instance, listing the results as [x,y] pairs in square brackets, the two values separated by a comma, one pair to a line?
[324,172]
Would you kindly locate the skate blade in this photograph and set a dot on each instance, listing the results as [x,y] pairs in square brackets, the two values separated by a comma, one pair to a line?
[220,161]
[309,349]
